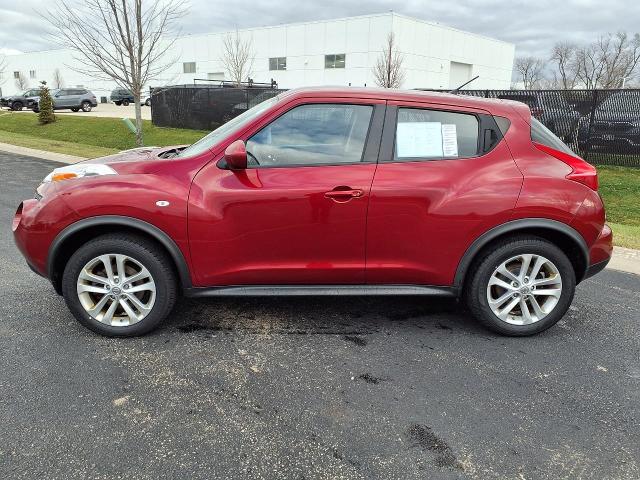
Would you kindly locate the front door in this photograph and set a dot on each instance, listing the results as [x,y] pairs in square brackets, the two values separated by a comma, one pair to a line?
[297,215]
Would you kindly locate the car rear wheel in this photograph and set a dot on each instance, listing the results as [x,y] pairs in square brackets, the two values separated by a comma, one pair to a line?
[521,287]
[75,109]
[86,106]
[17,106]
[119,285]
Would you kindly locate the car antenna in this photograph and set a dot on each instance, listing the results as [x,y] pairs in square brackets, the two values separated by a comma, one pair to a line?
[456,90]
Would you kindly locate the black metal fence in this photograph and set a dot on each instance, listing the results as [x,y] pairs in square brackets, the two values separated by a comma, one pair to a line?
[603,126]
[203,107]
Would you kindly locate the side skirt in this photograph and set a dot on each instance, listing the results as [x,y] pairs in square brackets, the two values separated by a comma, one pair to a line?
[310,290]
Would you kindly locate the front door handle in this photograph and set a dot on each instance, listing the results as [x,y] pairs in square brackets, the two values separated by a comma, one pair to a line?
[343,194]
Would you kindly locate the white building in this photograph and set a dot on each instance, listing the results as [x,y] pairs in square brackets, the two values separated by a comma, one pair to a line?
[327,52]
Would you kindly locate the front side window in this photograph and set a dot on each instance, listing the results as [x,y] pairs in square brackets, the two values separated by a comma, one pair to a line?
[189,67]
[335,60]
[314,134]
[423,134]
[278,63]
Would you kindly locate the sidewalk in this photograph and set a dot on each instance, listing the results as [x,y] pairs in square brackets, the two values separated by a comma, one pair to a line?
[625,259]
[32,152]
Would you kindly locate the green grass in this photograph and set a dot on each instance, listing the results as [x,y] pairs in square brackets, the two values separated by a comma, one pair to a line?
[77,149]
[620,189]
[108,134]
[626,235]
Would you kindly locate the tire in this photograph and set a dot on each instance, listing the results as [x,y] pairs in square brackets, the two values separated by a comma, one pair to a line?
[125,103]
[140,254]
[75,109]
[148,102]
[36,109]
[17,106]
[478,290]
[118,103]
[86,106]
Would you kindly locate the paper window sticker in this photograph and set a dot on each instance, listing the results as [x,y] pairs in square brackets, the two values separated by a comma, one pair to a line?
[449,140]
[419,139]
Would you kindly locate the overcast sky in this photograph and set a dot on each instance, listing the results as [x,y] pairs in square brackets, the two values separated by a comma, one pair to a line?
[533,26]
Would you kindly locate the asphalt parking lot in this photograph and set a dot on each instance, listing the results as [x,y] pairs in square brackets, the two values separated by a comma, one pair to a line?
[313,388]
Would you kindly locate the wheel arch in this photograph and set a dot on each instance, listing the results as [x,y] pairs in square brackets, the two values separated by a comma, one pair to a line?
[560,234]
[78,233]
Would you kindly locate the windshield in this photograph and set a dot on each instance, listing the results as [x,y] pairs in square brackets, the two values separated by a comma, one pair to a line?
[205,143]
[622,102]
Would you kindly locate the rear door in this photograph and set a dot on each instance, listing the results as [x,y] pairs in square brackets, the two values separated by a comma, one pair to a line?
[444,177]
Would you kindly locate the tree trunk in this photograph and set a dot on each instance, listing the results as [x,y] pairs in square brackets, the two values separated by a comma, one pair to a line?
[136,101]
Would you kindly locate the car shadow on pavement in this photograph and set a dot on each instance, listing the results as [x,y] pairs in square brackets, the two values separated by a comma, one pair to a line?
[319,315]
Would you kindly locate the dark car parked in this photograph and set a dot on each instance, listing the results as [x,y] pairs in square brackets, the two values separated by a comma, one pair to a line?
[74,99]
[122,96]
[550,108]
[616,122]
[18,102]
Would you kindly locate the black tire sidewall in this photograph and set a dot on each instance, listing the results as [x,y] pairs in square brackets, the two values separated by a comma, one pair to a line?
[149,256]
[14,106]
[477,298]
[125,103]
[85,106]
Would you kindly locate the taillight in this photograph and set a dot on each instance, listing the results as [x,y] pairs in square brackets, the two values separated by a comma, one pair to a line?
[583,172]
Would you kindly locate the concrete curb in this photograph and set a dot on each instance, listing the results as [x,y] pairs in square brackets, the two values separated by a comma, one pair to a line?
[625,260]
[32,152]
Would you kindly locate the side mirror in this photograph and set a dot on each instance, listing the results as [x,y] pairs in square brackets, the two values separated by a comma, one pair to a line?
[236,155]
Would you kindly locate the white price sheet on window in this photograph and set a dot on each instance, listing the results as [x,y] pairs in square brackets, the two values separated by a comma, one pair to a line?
[449,140]
[426,140]
[419,139]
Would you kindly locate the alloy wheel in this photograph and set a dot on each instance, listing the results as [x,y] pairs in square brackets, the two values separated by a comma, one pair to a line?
[524,289]
[116,289]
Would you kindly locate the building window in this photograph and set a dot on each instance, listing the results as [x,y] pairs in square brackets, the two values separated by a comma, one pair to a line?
[335,60]
[16,74]
[32,74]
[278,63]
[189,67]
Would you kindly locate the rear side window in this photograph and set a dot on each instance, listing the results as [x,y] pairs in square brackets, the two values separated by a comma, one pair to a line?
[423,134]
[541,134]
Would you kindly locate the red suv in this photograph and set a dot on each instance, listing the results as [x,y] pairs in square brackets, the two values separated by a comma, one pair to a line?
[328,191]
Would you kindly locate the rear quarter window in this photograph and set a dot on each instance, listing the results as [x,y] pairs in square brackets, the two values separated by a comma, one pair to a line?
[541,134]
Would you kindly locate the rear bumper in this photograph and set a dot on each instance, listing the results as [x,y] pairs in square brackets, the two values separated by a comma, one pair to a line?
[600,252]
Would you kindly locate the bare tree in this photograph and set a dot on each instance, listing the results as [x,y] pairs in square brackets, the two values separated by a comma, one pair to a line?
[563,55]
[125,41]
[609,62]
[58,81]
[530,71]
[237,56]
[21,81]
[387,71]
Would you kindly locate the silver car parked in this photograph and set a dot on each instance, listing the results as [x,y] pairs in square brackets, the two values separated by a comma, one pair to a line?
[74,99]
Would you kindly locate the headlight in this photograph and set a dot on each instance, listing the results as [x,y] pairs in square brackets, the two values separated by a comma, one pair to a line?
[79,171]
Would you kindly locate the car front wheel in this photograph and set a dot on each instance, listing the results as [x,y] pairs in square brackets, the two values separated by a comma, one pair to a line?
[125,103]
[119,285]
[521,287]
[17,106]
